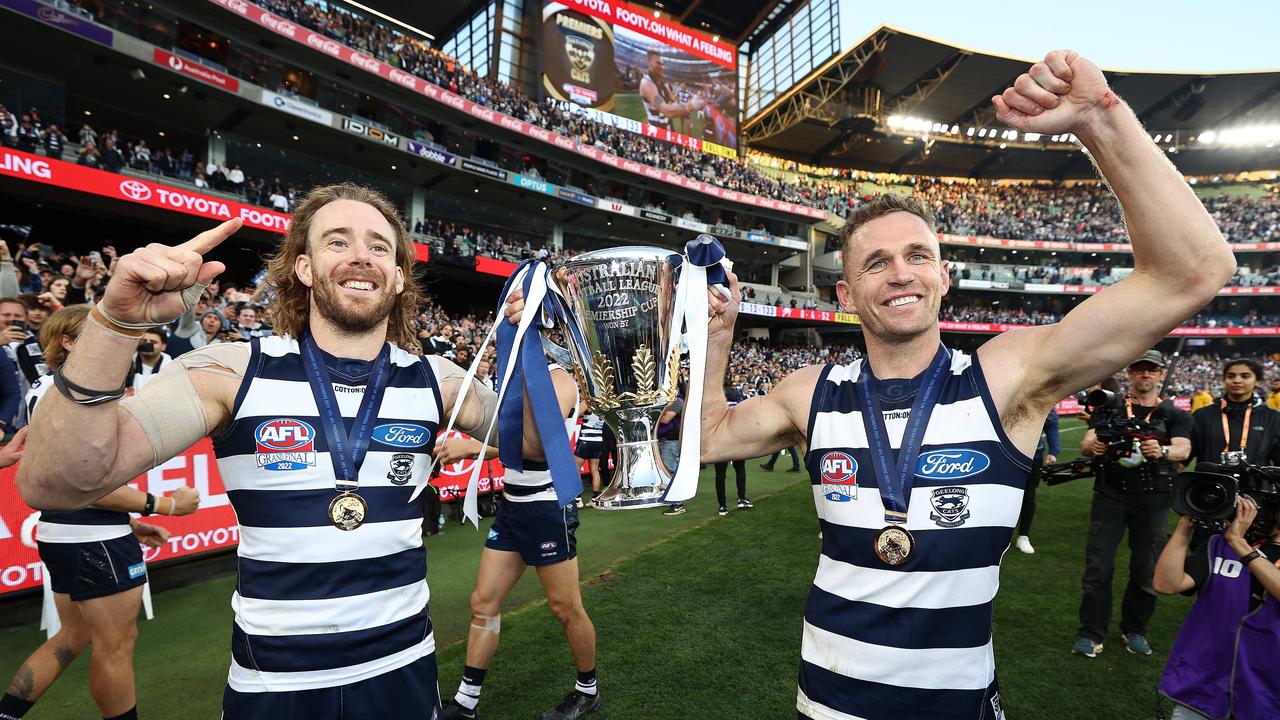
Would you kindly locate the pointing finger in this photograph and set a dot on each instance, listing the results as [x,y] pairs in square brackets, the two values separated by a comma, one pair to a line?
[210,239]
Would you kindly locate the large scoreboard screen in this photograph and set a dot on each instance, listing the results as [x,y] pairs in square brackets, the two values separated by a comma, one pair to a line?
[637,71]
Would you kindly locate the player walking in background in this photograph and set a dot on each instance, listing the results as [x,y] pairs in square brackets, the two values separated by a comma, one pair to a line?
[96,567]
[530,530]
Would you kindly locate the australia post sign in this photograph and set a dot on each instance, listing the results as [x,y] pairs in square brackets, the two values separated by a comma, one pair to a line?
[36,168]
[212,527]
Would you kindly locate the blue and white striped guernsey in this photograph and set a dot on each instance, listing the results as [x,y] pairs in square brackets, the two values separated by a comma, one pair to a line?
[913,641]
[316,606]
[89,524]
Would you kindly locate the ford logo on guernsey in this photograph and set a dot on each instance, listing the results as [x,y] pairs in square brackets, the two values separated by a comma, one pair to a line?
[285,444]
[402,435]
[951,464]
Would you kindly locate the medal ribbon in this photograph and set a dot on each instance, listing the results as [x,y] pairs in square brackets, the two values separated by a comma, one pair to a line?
[896,474]
[346,452]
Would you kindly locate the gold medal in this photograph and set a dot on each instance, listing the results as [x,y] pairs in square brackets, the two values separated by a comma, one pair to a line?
[348,511]
[894,545]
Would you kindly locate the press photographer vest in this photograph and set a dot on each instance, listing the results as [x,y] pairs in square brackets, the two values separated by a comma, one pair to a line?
[1224,660]
[316,606]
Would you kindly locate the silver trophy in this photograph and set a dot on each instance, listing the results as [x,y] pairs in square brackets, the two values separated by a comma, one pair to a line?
[623,299]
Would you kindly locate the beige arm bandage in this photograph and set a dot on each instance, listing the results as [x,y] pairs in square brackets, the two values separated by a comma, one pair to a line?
[448,371]
[169,409]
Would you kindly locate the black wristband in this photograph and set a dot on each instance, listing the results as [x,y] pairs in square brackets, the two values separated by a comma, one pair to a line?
[1253,556]
[150,506]
[91,397]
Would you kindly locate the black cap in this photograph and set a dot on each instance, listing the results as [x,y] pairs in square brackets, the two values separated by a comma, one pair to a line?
[1151,356]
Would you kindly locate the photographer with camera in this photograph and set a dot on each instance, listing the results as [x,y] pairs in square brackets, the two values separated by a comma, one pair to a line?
[1136,441]
[1239,426]
[1222,664]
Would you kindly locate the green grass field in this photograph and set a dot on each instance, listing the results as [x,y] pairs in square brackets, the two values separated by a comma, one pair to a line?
[631,106]
[697,616]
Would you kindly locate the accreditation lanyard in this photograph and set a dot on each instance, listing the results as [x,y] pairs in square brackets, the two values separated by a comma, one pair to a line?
[896,474]
[1244,427]
[1128,408]
[346,452]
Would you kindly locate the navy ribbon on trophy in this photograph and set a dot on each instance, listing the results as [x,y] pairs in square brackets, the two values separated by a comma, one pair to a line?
[703,266]
[522,364]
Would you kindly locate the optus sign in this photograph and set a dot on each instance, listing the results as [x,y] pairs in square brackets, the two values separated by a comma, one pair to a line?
[26,166]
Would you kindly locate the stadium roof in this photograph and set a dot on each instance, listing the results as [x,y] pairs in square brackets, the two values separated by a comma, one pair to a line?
[839,115]
[735,20]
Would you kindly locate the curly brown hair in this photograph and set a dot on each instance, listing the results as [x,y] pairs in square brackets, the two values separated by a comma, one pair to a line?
[292,304]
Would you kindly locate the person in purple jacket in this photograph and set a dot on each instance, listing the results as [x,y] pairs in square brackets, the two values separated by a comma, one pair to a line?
[1223,664]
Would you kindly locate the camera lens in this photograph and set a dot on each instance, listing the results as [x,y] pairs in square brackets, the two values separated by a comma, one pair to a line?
[1208,498]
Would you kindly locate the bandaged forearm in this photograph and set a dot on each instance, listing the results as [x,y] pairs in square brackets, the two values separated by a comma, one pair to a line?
[483,401]
[169,409]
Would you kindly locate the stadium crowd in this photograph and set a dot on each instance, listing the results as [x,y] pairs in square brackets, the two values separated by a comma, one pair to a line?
[1084,212]
[957,311]
[1056,273]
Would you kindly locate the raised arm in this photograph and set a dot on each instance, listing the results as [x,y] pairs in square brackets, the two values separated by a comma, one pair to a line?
[670,109]
[1180,259]
[759,425]
[76,453]
[1171,576]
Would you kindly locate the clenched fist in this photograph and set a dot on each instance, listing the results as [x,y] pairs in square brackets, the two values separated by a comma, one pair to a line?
[147,285]
[1061,94]
[185,501]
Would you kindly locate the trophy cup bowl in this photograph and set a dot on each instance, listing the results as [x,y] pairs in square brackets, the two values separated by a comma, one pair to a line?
[623,299]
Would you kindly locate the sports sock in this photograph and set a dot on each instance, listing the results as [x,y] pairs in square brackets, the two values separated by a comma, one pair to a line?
[469,689]
[13,707]
[586,682]
[130,714]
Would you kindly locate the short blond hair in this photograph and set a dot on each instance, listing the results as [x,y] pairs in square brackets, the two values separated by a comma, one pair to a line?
[66,322]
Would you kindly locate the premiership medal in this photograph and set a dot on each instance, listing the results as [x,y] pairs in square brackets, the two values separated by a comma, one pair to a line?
[894,545]
[347,511]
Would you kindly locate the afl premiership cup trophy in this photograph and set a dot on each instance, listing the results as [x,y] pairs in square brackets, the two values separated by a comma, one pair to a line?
[626,362]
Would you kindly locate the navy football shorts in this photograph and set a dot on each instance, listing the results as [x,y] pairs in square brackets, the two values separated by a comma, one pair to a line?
[541,531]
[588,450]
[94,569]
[407,692]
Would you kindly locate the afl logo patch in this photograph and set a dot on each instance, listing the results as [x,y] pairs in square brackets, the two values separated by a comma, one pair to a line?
[839,476]
[951,464]
[285,444]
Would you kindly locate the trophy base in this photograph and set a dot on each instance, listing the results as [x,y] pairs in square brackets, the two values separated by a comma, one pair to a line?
[630,498]
[639,480]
